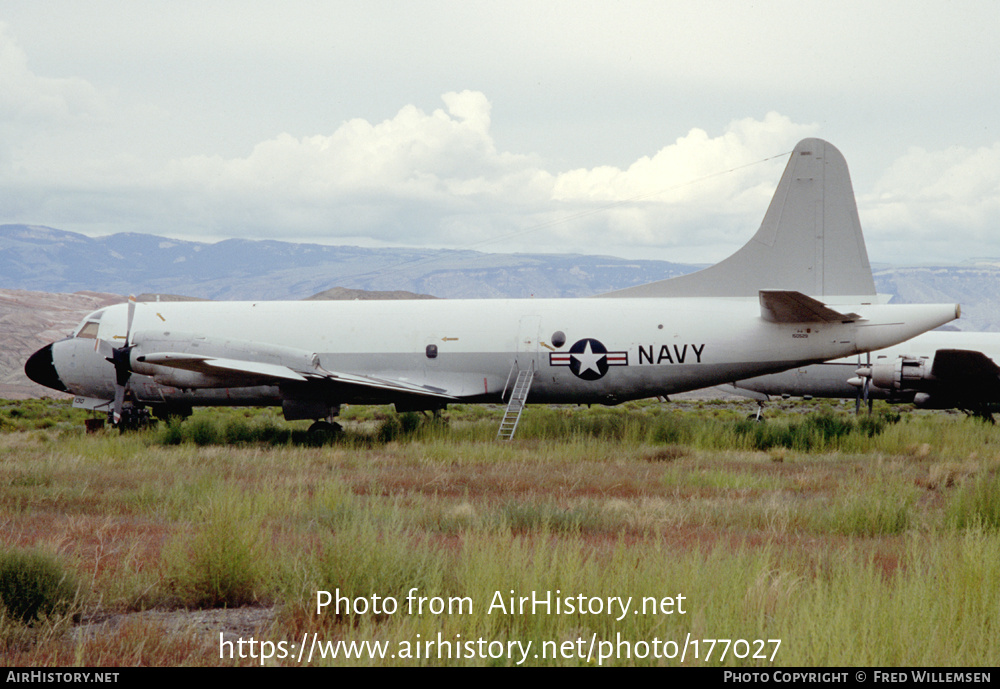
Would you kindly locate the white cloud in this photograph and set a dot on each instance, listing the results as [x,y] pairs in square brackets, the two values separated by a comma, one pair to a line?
[370,179]
[947,201]
[694,167]
[438,179]
[701,190]
[75,156]
[26,97]
[133,117]
[412,153]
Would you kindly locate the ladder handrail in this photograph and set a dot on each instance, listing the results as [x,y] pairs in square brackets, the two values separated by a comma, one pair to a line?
[518,396]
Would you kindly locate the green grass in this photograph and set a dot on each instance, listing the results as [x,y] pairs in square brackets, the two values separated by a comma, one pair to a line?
[855,542]
[977,503]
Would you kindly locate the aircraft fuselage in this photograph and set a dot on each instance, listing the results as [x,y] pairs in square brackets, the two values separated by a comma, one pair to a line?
[582,350]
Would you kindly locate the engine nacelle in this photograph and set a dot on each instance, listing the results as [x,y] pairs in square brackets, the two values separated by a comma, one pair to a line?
[153,352]
[185,380]
[904,373]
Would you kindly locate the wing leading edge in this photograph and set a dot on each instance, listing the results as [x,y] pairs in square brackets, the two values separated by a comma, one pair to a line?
[210,371]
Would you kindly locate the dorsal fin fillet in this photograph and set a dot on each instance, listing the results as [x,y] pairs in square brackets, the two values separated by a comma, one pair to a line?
[810,240]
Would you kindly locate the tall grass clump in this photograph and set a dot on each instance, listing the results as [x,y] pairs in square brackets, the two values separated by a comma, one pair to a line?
[217,571]
[208,429]
[548,517]
[390,428]
[670,430]
[412,426]
[203,431]
[879,502]
[820,431]
[872,514]
[365,557]
[223,565]
[976,504]
[599,424]
[173,432]
[34,585]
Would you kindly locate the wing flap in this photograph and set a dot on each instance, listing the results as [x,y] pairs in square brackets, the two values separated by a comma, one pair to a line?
[388,384]
[786,306]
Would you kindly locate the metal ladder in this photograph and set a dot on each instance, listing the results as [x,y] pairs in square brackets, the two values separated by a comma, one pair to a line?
[516,404]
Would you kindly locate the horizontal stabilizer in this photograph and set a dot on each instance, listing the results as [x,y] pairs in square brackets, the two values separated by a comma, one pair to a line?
[784,306]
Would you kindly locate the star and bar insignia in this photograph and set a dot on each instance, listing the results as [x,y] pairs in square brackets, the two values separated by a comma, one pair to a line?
[588,359]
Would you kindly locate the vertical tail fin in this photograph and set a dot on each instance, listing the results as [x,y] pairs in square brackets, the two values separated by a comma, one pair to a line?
[810,240]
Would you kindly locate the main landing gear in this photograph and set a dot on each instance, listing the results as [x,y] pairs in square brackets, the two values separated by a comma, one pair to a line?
[323,431]
[759,416]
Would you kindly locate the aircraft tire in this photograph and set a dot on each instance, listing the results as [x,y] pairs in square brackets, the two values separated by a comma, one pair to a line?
[325,431]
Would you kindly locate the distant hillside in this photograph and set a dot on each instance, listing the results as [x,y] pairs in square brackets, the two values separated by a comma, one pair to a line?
[31,320]
[975,287]
[50,260]
[344,294]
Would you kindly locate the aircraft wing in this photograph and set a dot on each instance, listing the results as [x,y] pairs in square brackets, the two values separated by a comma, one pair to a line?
[785,306]
[214,366]
[967,369]
[241,373]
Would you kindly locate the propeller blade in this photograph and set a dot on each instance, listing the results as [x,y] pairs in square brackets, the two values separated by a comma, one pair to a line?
[116,414]
[863,382]
[868,383]
[857,398]
[104,348]
[128,322]
[121,359]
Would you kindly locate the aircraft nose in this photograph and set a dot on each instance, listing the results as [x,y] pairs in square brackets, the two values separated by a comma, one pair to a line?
[41,369]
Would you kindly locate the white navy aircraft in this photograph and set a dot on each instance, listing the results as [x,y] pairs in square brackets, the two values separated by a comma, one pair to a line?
[799,292]
[936,370]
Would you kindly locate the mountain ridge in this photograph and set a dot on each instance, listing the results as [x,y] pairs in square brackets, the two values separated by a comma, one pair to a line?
[45,259]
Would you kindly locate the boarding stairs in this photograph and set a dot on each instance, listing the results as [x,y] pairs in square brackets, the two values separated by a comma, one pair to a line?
[522,384]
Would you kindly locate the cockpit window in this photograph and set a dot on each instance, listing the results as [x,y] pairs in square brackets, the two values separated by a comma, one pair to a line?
[89,330]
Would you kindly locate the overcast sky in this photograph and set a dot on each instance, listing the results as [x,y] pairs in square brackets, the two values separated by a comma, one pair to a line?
[636,129]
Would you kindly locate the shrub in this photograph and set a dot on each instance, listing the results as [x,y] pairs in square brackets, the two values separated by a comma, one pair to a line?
[35,585]
[203,431]
[390,429]
[173,433]
[398,426]
[410,422]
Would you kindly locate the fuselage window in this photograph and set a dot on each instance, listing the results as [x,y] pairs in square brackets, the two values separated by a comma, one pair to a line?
[89,330]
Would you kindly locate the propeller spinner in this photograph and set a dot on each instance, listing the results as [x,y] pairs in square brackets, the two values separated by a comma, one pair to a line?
[864,374]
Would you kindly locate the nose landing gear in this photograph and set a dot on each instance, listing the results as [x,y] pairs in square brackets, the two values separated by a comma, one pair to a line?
[133,418]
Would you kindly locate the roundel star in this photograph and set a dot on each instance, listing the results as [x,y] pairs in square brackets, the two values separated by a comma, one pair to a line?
[589,359]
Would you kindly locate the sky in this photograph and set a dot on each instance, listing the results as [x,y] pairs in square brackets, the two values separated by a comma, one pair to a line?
[633,129]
